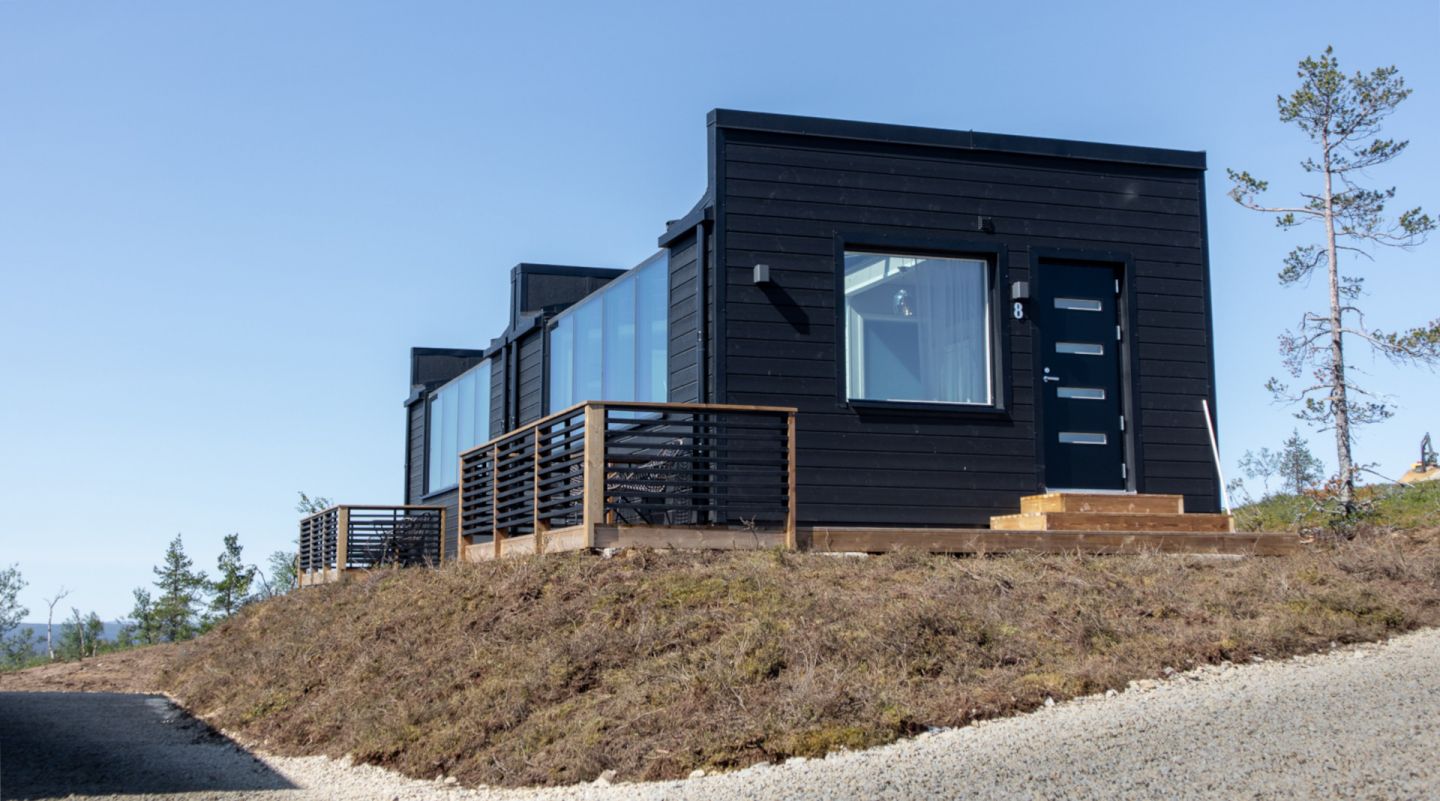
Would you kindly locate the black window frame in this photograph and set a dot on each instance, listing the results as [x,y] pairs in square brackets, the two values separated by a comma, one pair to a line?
[995,255]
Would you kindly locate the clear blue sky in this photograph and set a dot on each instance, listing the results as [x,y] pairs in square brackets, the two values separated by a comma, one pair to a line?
[215,218]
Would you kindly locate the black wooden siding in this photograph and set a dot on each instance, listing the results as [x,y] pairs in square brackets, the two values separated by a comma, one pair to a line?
[415,450]
[683,322]
[782,202]
[497,393]
[532,376]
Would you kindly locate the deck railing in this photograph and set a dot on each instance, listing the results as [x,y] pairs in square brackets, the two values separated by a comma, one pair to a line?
[351,537]
[640,464]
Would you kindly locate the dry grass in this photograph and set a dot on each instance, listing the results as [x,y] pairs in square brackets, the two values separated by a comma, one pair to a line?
[654,663]
[133,671]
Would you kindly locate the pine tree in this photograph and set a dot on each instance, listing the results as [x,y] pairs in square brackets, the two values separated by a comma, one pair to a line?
[143,628]
[180,590]
[309,506]
[94,632]
[20,649]
[11,612]
[232,587]
[1342,116]
[282,573]
[1299,469]
[72,637]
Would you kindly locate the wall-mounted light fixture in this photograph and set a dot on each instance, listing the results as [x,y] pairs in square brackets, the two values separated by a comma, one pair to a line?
[762,275]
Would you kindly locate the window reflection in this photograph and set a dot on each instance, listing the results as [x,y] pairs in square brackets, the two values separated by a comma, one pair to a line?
[459,419]
[917,328]
[612,344]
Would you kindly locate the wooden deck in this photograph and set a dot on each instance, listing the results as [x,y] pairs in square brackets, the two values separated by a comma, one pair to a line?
[884,540]
[349,538]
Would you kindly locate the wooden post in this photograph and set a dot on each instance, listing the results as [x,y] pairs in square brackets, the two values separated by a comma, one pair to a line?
[459,519]
[442,536]
[593,502]
[791,538]
[342,539]
[539,525]
[495,534]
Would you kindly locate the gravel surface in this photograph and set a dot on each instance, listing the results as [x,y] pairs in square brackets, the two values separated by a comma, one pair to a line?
[1354,723]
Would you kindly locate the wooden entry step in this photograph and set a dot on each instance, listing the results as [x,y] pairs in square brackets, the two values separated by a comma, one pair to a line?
[1066,511]
[1103,502]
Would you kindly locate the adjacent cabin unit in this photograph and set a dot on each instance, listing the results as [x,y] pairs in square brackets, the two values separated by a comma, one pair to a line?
[859,326]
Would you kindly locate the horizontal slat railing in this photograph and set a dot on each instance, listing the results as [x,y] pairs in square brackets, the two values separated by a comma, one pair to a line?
[348,537]
[625,463]
[394,535]
[318,540]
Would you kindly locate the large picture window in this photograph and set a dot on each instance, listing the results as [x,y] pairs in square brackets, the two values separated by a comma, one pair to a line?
[917,328]
[612,344]
[459,420]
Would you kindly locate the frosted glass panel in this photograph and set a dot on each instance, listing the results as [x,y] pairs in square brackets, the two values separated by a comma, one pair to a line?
[1080,348]
[613,344]
[1081,393]
[459,419]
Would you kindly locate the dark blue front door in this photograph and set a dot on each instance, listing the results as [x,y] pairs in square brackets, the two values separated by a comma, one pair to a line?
[1078,363]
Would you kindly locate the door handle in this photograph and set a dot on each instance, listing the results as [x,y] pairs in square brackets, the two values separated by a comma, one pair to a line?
[1050,377]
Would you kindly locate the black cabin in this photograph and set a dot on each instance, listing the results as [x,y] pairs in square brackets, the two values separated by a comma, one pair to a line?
[958,318]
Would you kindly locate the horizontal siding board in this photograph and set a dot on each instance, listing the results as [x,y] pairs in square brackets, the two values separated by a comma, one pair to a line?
[761,162]
[766,244]
[415,479]
[1197,354]
[530,378]
[933,224]
[1175,303]
[882,191]
[775,199]
[682,323]
[498,373]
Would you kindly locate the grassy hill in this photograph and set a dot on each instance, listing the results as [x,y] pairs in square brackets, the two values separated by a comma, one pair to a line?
[547,671]
[1386,507]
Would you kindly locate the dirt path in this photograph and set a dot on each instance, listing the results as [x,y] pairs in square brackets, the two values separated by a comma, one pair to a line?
[1356,723]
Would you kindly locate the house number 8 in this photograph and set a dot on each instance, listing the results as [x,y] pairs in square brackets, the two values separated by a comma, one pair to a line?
[1019,311]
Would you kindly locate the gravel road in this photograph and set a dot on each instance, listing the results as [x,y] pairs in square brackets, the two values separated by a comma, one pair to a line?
[1354,723]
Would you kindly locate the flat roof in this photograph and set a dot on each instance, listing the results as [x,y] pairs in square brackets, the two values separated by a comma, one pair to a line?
[960,140]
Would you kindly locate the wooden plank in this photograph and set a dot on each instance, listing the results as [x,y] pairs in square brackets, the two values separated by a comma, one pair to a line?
[495,534]
[568,538]
[881,540]
[1104,521]
[538,524]
[792,505]
[342,537]
[699,538]
[593,474]
[1093,502]
[478,552]
[523,545]
[444,514]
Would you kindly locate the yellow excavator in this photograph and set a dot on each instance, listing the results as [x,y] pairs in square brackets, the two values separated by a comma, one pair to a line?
[1427,469]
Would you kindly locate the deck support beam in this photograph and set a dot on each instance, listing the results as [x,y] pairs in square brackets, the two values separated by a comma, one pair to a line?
[792,452]
[342,540]
[593,494]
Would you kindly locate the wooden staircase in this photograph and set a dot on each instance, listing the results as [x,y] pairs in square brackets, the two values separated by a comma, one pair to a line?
[1077,511]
